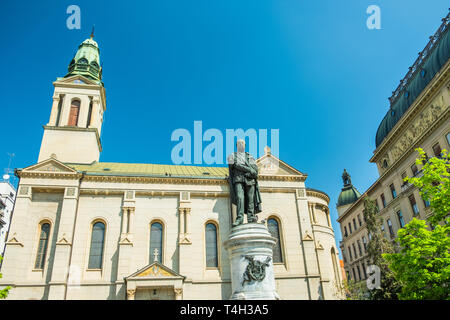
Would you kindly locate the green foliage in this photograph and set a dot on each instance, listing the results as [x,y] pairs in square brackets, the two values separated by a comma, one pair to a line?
[4,292]
[356,290]
[423,264]
[434,185]
[377,246]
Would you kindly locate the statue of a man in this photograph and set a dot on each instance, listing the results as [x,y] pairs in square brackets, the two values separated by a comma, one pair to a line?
[244,189]
[346,178]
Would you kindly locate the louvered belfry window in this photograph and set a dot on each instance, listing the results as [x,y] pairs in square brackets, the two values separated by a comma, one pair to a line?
[74,112]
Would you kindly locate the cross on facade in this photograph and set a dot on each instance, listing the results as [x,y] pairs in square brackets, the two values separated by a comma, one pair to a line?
[155,254]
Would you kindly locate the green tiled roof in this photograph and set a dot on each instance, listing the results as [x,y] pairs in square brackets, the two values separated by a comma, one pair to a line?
[349,194]
[144,169]
[425,72]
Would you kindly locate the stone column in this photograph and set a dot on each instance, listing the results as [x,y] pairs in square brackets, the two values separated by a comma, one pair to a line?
[95,115]
[54,112]
[250,248]
[178,293]
[58,282]
[131,294]
[187,215]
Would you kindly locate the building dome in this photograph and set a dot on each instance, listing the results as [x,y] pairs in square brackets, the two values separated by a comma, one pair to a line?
[86,61]
[349,193]
[423,73]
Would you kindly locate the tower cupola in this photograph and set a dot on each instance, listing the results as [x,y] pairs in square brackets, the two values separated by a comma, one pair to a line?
[86,61]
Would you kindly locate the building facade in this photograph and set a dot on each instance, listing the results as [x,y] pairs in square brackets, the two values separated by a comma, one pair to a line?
[84,229]
[7,198]
[418,117]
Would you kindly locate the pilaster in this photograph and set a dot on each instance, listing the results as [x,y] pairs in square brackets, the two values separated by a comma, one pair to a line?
[17,250]
[64,238]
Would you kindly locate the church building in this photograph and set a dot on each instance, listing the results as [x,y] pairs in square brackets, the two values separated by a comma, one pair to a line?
[84,229]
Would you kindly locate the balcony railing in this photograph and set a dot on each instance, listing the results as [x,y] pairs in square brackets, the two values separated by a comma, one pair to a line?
[434,39]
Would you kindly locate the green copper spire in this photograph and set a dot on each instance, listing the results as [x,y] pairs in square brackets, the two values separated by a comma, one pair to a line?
[87,61]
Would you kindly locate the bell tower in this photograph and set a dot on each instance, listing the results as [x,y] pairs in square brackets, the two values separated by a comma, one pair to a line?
[72,134]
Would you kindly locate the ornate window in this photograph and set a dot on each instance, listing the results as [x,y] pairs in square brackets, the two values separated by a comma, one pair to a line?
[393,191]
[156,242]
[97,245]
[274,229]
[412,201]
[391,229]
[44,235]
[400,219]
[383,200]
[212,260]
[74,112]
[437,150]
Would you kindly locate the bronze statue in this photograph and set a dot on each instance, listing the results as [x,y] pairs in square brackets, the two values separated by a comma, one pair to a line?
[244,189]
[346,178]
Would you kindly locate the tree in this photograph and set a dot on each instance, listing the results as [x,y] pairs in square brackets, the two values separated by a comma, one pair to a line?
[423,264]
[376,247]
[4,292]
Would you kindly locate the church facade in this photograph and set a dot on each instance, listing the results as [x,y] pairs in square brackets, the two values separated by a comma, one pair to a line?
[84,229]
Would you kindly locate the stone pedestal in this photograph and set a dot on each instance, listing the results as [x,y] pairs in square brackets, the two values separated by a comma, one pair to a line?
[250,251]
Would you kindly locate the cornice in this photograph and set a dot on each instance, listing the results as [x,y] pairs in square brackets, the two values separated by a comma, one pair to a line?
[318,194]
[47,174]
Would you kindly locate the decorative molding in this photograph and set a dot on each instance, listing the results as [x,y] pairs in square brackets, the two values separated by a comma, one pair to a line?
[319,246]
[125,239]
[130,294]
[307,236]
[419,126]
[14,241]
[420,101]
[178,291]
[318,194]
[63,241]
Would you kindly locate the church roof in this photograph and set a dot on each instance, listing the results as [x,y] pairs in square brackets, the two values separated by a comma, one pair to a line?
[86,61]
[430,61]
[145,169]
[349,194]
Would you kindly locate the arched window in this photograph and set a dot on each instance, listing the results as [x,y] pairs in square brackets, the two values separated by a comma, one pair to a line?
[97,245]
[74,112]
[274,230]
[44,235]
[156,241]
[212,260]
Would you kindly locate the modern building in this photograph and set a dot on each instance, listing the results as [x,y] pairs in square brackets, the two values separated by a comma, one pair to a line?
[84,229]
[7,198]
[418,117]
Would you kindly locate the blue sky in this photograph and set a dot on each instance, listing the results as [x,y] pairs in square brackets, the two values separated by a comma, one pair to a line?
[311,69]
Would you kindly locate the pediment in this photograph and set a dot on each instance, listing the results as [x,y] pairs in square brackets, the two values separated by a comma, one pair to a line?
[154,270]
[268,164]
[76,79]
[49,165]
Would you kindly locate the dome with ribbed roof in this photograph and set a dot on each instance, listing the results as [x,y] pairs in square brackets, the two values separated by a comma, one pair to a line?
[424,73]
[349,193]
